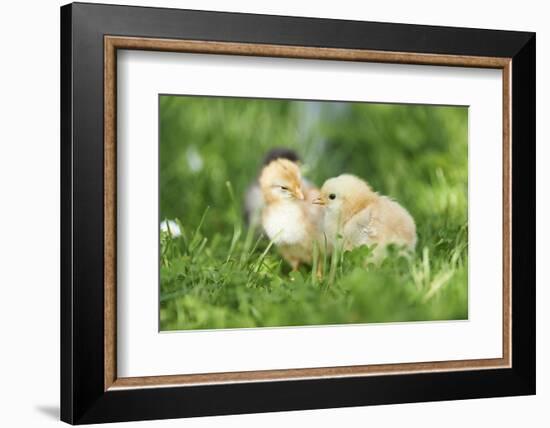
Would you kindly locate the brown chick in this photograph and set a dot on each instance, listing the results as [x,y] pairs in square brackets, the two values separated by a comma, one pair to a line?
[290,221]
[360,216]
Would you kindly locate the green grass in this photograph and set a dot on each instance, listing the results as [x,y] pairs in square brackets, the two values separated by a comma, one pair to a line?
[219,274]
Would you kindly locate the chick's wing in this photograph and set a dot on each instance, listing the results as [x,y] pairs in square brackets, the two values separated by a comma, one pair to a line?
[360,229]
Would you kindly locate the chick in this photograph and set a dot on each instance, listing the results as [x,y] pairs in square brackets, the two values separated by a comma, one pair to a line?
[360,216]
[290,221]
[254,200]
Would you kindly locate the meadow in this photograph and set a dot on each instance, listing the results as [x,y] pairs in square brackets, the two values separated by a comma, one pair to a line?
[220,274]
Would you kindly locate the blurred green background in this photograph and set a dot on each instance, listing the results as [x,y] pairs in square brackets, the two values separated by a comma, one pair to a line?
[219,275]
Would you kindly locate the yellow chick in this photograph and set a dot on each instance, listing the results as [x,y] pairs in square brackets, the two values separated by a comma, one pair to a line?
[288,218]
[253,198]
[360,216]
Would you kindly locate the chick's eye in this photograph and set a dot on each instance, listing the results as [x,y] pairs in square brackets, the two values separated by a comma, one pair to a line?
[332,196]
[284,188]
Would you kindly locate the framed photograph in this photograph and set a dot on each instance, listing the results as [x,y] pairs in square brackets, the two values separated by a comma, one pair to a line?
[266,213]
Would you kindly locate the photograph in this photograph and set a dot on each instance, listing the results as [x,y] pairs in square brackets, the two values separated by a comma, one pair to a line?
[280,213]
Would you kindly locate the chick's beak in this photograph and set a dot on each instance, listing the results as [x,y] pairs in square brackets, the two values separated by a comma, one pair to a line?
[320,201]
[299,194]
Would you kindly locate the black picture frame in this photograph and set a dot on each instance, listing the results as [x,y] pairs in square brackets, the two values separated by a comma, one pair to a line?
[83,398]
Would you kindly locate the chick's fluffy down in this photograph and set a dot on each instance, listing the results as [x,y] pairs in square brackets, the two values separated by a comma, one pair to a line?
[354,212]
[383,222]
[289,218]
